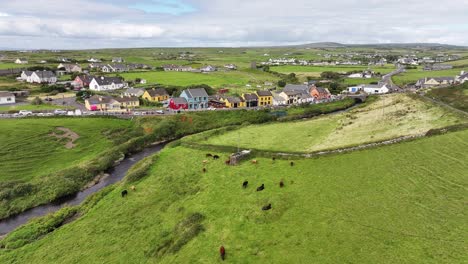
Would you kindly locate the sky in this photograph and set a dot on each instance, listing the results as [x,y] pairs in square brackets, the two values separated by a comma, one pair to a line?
[86,24]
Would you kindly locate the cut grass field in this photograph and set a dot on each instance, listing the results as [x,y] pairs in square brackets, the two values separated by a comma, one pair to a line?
[389,117]
[215,79]
[412,76]
[396,204]
[29,152]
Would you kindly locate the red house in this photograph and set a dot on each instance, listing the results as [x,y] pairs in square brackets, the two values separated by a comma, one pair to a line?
[178,103]
[83,80]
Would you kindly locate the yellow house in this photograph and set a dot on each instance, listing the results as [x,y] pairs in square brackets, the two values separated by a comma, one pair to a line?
[264,98]
[233,102]
[107,103]
[156,95]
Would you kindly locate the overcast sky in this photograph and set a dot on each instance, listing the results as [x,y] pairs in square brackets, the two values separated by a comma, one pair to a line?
[77,24]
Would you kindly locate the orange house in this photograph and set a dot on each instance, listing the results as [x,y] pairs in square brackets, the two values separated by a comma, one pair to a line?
[320,93]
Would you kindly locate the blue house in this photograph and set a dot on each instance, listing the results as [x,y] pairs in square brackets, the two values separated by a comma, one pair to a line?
[196,98]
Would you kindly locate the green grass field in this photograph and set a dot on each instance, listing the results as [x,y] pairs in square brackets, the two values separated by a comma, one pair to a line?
[28,152]
[320,69]
[215,79]
[412,76]
[389,117]
[396,204]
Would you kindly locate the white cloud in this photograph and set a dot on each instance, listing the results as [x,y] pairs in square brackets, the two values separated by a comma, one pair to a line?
[236,23]
[3,14]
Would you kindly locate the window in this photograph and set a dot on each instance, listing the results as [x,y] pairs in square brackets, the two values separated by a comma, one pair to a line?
[8,99]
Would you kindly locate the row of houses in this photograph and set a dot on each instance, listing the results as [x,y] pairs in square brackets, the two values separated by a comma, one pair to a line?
[38,77]
[110,103]
[208,68]
[117,67]
[428,82]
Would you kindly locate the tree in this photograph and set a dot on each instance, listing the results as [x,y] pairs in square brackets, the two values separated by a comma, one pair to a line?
[281,83]
[37,101]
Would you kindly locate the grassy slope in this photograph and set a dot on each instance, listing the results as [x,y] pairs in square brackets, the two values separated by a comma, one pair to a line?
[28,151]
[456,96]
[389,117]
[412,76]
[396,204]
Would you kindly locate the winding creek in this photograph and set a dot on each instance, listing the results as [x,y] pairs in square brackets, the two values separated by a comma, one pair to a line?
[116,174]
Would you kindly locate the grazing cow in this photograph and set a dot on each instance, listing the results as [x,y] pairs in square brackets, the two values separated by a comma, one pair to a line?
[266,207]
[273,159]
[281,184]
[254,162]
[205,162]
[244,185]
[133,188]
[209,155]
[204,170]
[261,188]
[124,193]
[215,157]
[291,163]
[227,162]
[222,252]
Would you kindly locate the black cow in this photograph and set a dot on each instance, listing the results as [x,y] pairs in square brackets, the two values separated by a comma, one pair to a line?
[266,207]
[281,184]
[261,188]
[244,185]
[204,170]
[273,159]
[124,193]
[215,157]
[209,155]
[222,252]
[291,163]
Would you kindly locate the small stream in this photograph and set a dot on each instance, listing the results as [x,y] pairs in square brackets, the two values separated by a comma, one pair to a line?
[116,174]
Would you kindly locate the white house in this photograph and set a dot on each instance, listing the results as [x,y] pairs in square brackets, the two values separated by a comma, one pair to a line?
[26,76]
[117,60]
[462,78]
[106,83]
[21,61]
[7,98]
[94,60]
[38,77]
[70,67]
[278,100]
[208,68]
[375,88]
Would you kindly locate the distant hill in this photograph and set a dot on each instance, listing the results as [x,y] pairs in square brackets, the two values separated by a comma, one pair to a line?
[383,45]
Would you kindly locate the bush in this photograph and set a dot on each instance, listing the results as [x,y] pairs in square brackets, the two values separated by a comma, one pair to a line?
[37,101]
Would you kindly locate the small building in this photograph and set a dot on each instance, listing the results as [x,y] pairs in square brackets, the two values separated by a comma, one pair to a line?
[320,93]
[82,81]
[69,68]
[109,103]
[233,102]
[117,60]
[236,158]
[375,88]
[156,95]
[437,67]
[7,98]
[264,98]
[434,82]
[94,60]
[178,103]
[106,83]
[172,67]
[250,99]
[136,92]
[38,77]
[462,78]
[230,66]
[291,97]
[215,102]
[196,98]
[278,100]
[208,68]
[21,61]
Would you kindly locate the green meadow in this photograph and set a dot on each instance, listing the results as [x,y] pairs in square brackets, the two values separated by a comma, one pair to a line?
[388,117]
[402,203]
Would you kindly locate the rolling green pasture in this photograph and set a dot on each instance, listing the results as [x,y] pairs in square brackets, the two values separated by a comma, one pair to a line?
[402,203]
[28,152]
[388,117]
[215,79]
[412,76]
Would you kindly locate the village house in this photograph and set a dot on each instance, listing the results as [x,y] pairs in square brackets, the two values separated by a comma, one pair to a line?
[320,93]
[136,92]
[375,88]
[264,98]
[437,67]
[108,103]
[82,81]
[230,66]
[69,68]
[21,61]
[156,95]
[462,78]
[7,98]
[172,67]
[96,66]
[114,68]
[106,83]
[250,99]
[196,98]
[38,77]
[434,82]
[178,103]
[233,102]
[291,96]
[215,102]
[208,68]
[117,60]
[94,60]
[278,100]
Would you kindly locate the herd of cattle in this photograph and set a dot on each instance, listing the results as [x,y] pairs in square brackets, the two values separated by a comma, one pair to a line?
[222,250]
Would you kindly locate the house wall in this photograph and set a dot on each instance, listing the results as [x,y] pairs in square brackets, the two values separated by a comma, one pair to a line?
[7,100]
[265,100]
[158,98]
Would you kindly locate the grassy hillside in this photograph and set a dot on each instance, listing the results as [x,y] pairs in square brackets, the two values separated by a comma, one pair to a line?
[397,204]
[388,117]
[456,96]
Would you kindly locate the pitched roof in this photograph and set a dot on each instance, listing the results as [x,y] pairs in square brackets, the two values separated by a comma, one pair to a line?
[44,74]
[321,90]
[250,97]
[264,93]
[198,92]
[108,80]
[137,91]
[85,78]
[296,87]
[179,100]
[6,94]
[28,73]
[157,92]
[123,99]
[234,100]
[98,99]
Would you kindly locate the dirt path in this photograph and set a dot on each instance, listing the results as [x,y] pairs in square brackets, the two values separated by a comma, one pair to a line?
[68,134]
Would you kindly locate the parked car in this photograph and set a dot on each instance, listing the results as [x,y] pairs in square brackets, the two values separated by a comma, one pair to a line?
[60,112]
[48,99]
[161,112]
[25,113]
